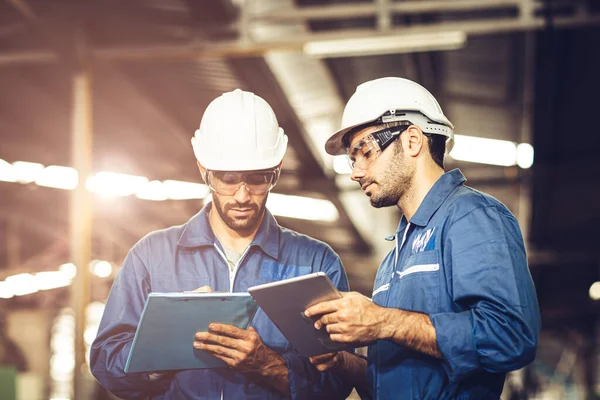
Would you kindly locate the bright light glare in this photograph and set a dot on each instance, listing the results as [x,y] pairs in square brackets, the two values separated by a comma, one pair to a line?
[524,155]
[341,166]
[5,291]
[69,269]
[52,279]
[302,207]
[22,284]
[101,269]
[595,291]
[58,177]
[153,190]
[484,151]
[27,172]
[7,172]
[179,190]
[112,184]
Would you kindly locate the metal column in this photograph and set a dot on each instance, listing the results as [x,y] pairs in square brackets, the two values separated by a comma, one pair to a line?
[81,214]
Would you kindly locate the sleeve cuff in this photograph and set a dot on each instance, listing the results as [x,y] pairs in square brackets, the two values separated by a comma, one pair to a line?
[294,364]
[455,340]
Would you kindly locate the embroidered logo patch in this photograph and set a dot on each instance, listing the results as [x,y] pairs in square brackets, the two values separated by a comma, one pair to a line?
[424,241]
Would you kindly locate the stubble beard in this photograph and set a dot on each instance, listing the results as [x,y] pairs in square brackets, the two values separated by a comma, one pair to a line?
[394,183]
[240,224]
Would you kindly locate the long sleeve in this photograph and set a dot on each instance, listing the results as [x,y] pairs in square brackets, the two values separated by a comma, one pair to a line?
[496,324]
[111,347]
[306,382]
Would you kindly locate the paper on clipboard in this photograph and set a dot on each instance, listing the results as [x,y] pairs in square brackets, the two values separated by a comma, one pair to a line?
[165,335]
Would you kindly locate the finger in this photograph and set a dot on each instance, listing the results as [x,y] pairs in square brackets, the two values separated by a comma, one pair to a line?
[341,338]
[220,352]
[229,330]
[224,341]
[324,307]
[323,358]
[327,319]
[203,289]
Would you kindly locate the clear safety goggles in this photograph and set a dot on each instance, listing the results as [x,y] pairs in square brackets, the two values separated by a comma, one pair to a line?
[227,183]
[365,151]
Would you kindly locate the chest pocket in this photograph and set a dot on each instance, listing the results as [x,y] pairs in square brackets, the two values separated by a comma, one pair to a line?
[416,287]
[272,271]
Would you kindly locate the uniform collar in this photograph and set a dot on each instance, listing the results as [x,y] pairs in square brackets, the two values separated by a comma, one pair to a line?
[197,232]
[438,193]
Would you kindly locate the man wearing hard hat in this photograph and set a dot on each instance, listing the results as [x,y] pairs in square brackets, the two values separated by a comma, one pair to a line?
[231,244]
[453,307]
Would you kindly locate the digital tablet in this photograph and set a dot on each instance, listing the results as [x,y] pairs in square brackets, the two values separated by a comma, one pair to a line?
[166,332]
[284,303]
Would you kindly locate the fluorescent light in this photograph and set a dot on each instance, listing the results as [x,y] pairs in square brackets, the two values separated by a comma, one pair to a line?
[22,284]
[390,44]
[7,172]
[302,207]
[58,177]
[179,190]
[341,166]
[5,291]
[484,151]
[47,280]
[595,291]
[69,269]
[115,184]
[153,190]
[524,155]
[102,269]
[27,172]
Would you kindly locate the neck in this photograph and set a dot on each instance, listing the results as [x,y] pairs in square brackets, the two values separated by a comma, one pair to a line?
[422,182]
[234,239]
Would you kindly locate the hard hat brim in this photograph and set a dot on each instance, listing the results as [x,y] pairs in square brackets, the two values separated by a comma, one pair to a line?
[335,144]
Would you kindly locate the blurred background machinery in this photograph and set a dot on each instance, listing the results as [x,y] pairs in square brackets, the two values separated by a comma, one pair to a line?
[99,100]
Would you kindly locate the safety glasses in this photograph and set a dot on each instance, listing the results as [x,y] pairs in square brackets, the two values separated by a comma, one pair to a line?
[365,151]
[227,183]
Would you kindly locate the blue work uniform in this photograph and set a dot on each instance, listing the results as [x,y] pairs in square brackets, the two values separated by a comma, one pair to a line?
[461,260]
[184,258]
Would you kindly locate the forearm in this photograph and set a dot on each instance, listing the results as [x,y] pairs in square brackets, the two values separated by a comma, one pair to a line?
[410,329]
[274,374]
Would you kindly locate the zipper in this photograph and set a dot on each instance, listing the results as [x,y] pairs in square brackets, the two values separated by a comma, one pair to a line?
[235,268]
[231,278]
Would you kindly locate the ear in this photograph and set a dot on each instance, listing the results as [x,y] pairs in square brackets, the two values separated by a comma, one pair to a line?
[202,170]
[414,141]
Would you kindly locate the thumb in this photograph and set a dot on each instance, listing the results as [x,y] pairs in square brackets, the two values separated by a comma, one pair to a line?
[251,329]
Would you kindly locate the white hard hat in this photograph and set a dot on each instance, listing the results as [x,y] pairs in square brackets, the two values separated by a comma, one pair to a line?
[239,132]
[387,100]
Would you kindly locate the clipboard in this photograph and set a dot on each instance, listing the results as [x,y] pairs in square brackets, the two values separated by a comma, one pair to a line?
[284,303]
[165,335]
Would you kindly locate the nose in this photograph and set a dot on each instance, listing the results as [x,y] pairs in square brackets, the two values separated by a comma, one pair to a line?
[357,174]
[242,194]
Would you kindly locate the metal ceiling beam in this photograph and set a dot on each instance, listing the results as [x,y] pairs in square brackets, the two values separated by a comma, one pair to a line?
[361,10]
[245,49]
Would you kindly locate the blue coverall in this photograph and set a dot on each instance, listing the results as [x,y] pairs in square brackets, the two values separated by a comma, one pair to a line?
[186,257]
[461,260]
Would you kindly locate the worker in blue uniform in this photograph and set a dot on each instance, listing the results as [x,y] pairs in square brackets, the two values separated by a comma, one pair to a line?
[454,307]
[231,244]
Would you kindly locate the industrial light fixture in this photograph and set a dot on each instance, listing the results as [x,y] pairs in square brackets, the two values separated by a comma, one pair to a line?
[112,184]
[386,44]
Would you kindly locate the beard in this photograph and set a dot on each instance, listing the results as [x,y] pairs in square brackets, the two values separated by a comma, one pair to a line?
[237,223]
[394,183]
